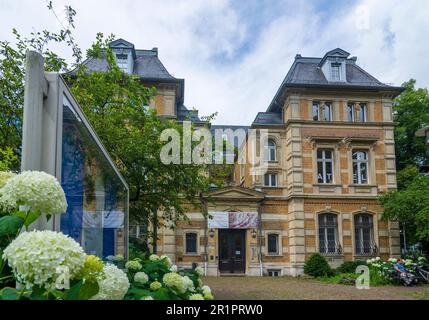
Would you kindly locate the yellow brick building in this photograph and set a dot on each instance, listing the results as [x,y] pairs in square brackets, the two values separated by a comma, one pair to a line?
[330,152]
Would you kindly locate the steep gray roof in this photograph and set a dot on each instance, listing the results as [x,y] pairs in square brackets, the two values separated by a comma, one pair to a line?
[306,72]
[268,118]
[184,114]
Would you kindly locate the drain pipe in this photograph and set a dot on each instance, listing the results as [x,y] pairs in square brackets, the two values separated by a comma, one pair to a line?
[261,266]
[206,238]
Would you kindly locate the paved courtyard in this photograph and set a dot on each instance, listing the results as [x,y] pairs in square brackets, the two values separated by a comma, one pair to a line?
[285,288]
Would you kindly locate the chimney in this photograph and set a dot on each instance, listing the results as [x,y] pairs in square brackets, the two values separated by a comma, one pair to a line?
[354,59]
[297,56]
[155,50]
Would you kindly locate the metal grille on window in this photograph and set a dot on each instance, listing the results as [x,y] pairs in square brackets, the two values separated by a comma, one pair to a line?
[364,238]
[191,242]
[324,166]
[360,167]
[273,247]
[328,230]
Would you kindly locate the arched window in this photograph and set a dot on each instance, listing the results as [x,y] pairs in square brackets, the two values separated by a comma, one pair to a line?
[364,234]
[270,154]
[328,233]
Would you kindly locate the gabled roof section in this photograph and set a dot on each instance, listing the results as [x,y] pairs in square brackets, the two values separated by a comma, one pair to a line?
[235,192]
[306,73]
[121,43]
[340,53]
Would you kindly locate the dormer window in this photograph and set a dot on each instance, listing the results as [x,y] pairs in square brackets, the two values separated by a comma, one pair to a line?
[122,62]
[335,71]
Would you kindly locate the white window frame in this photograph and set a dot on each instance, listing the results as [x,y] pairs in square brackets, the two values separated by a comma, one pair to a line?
[325,160]
[122,63]
[271,146]
[270,181]
[358,163]
[335,66]
[321,116]
[363,107]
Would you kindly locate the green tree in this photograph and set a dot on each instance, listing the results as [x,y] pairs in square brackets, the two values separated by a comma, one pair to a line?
[411,112]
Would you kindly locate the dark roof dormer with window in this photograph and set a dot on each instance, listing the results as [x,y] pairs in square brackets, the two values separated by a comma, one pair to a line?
[147,65]
[334,71]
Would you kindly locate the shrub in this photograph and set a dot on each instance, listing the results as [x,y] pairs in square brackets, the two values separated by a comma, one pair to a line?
[350,266]
[317,266]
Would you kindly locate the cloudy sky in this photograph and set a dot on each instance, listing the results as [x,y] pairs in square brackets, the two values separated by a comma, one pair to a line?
[233,55]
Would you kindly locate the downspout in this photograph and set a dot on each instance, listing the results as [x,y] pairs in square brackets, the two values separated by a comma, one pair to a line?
[261,266]
[206,238]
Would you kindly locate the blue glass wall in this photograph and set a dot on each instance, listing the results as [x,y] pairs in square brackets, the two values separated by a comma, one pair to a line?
[96,197]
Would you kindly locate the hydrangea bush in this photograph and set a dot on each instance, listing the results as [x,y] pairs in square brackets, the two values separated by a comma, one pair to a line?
[156,278]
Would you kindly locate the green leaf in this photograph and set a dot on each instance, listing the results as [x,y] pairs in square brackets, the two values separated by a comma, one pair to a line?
[38,293]
[28,217]
[9,294]
[10,225]
[73,292]
[88,290]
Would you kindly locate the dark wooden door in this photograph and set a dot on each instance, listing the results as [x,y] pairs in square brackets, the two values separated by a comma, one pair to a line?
[232,250]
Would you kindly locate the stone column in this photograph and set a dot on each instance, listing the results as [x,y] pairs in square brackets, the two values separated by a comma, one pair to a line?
[296,236]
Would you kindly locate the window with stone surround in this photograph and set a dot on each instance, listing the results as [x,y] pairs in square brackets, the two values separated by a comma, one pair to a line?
[364,234]
[191,244]
[270,151]
[273,244]
[122,62]
[356,112]
[270,180]
[322,111]
[328,233]
[325,166]
[360,166]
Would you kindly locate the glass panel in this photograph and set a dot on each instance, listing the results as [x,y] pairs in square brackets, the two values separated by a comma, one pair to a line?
[97,199]
[355,172]
[316,111]
[362,114]
[191,243]
[272,153]
[320,172]
[328,154]
[273,180]
[272,243]
[322,236]
[328,178]
[350,112]
[328,113]
[363,173]
[267,179]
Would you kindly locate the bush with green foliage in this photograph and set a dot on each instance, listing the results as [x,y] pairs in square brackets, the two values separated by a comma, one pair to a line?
[350,266]
[317,266]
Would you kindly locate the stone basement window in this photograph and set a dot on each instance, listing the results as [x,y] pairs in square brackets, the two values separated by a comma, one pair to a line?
[274,272]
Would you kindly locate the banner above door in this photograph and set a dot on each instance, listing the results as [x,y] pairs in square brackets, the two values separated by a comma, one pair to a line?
[233,220]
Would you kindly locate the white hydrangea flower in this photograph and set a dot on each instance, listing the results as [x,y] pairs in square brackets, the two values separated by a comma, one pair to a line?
[153,257]
[37,190]
[4,177]
[421,259]
[188,284]
[175,281]
[206,290]
[133,265]
[113,284]
[199,271]
[393,260]
[196,296]
[147,298]
[377,259]
[141,277]
[166,259]
[173,268]
[36,256]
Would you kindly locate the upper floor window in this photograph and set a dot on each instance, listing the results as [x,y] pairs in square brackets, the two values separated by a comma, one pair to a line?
[328,233]
[322,111]
[270,180]
[360,166]
[273,243]
[324,166]
[270,152]
[357,112]
[122,61]
[364,237]
[335,71]
[191,242]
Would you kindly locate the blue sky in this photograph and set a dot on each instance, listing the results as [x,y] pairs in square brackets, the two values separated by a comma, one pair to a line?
[233,55]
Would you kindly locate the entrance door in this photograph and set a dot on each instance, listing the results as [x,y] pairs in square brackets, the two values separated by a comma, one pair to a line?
[232,246]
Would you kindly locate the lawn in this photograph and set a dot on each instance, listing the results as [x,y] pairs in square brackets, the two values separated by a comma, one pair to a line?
[285,288]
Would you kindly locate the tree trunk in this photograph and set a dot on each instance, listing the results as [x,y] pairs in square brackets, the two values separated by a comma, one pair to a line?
[155,232]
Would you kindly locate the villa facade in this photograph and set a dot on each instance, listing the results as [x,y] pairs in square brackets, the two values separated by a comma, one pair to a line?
[330,153]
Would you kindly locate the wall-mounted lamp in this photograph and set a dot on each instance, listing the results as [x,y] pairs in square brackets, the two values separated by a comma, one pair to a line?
[211,233]
[254,234]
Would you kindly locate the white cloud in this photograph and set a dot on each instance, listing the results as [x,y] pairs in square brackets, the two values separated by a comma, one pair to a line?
[230,67]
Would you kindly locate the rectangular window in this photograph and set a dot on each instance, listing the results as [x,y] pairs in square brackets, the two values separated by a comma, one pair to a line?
[360,167]
[122,62]
[364,234]
[322,111]
[270,180]
[328,233]
[325,166]
[356,112]
[191,242]
[335,72]
[273,243]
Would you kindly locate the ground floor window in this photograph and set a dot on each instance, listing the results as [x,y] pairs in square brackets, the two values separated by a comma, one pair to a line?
[191,242]
[364,234]
[273,243]
[328,233]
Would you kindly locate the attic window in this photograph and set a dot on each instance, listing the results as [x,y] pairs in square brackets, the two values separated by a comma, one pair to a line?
[336,71]
[122,62]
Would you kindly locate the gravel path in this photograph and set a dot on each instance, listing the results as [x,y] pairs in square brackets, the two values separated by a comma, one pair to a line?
[288,288]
